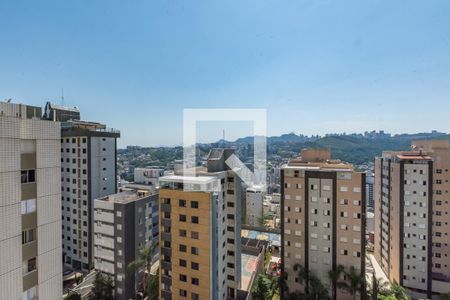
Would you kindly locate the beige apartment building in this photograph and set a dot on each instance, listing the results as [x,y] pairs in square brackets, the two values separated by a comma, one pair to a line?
[412,217]
[200,242]
[323,218]
[30,207]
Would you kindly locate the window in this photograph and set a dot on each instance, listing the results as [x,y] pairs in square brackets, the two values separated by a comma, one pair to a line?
[194,204]
[194,266]
[28,236]
[195,281]
[194,235]
[194,250]
[230,217]
[183,263]
[28,206]
[182,248]
[27,176]
[195,296]
[194,219]
[183,278]
[29,265]
[183,233]
[30,294]
[182,203]
[183,218]
[183,293]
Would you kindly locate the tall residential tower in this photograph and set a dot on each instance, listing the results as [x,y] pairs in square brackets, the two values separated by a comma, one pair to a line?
[88,171]
[412,243]
[30,209]
[323,218]
[200,238]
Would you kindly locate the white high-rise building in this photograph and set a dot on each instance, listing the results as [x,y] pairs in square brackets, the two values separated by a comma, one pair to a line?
[88,171]
[254,201]
[30,214]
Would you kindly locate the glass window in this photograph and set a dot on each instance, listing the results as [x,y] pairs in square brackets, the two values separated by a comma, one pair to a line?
[29,265]
[28,206]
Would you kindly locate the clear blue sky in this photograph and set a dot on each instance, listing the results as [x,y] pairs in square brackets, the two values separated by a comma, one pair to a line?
[316,66]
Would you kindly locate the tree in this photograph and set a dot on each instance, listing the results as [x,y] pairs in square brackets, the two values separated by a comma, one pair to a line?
[444,296]
[399,292]
[152,289]
[355,282]
[73,296]
[144,260]
[334,276]
[378,287]
[317,290]
[262,288]
[103,287]
[314,289]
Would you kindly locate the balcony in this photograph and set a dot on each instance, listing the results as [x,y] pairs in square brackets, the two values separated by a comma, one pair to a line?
[104,228]
[165,207]
[166,279]
[30,279]
[166,237]
[166,251]
[166,265]
[166,295]
[166,222]
[29,250]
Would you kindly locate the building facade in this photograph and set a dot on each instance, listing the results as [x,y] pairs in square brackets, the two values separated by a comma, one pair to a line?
[254,201]
[30,214]
[88,171]
[200,240]
[411,214]
[148,176]
[370,183]
[123,223]
[323,218]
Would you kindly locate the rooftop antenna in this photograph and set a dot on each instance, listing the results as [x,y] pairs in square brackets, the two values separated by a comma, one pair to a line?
[62,96]
[222,142]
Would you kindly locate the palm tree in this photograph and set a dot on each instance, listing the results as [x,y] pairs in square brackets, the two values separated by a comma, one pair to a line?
[314,289]
[378,287]
[144,259]
[334,276]
[302,276]
[355,282]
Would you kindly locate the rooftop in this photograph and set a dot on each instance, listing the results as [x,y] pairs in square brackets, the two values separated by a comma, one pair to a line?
[126,196]
[188,179]
[317,159]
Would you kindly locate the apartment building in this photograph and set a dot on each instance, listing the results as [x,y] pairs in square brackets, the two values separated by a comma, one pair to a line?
[370,185]
[323,218]
[254,200]
[88,171]
[148,176]
[200,252]
[30,215]
[123,223]
[411,217]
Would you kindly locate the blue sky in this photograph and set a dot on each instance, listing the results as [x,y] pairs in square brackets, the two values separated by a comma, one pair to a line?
[316,66]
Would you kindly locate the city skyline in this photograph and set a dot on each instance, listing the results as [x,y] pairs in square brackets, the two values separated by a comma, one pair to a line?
[152,60]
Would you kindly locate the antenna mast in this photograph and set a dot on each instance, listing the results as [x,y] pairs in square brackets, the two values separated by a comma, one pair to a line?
[62,96]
